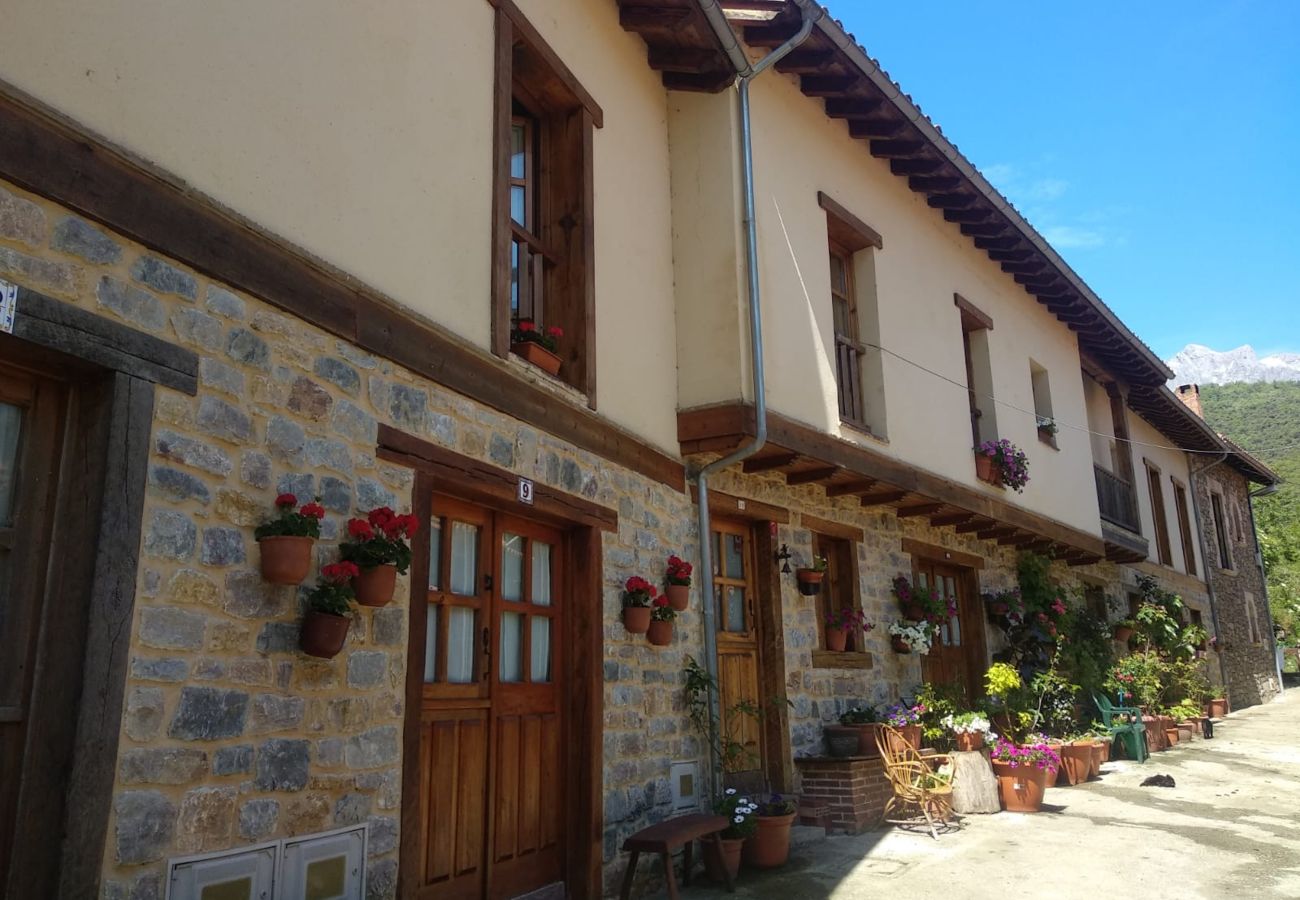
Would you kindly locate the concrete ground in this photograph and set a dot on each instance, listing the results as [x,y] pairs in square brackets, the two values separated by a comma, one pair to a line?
[1231,828]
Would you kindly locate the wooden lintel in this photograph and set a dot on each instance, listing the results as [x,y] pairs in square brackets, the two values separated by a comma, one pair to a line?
[918,509]
[832,528]
[845,488]
[767,463]
[922,550]
[721,504]
[810,476]
[972,316]
[882,497]
[950,519]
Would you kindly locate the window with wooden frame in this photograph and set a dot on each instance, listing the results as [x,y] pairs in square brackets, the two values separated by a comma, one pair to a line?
[543,202]
[840,591]
[1220,531]
[1163,549]
[976,325]
[1184,528]
[855,319]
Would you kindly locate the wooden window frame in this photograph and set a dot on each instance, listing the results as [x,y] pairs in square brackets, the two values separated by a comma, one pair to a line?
[1222,540]
[560,242]
[839,544]
[848,235]
[1155,491]
[1184,526]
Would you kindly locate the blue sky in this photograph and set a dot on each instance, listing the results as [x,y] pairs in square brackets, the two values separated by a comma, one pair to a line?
[1156,144]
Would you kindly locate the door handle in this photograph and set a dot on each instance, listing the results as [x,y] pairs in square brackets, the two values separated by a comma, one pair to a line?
[487,653]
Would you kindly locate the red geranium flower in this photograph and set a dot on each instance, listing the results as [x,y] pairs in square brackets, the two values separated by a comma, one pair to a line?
[314,510]
[340,572]
[636,584]
[555,331]
[660,601]
[360,529]
[527,325]
[286,500]
[380,517]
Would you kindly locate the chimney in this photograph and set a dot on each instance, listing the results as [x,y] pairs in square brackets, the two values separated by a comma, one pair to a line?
[1190,394]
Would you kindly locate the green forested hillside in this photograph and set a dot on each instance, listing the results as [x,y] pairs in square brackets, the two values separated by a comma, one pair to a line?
[1265,419]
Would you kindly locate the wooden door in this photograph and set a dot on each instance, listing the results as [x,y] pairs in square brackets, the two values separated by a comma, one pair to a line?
[739,657]
[30,426]
[491,802]
[957,655]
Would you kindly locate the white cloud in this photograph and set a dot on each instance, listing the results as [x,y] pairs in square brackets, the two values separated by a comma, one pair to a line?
[1068,236]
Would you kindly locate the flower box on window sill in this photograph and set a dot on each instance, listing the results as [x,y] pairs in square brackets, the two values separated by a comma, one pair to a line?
[987,472]
[535,353]
[1047,436]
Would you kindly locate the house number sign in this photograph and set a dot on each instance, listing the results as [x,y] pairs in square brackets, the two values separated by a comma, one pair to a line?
[526,491]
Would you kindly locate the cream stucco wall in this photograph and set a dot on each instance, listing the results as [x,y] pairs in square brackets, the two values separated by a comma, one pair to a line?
[362,134]
[925,260]
[1100,424]
[1149,445]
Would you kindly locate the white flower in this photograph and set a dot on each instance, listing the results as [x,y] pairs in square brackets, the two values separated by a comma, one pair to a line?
[729,791]
[743,801]
[739,820]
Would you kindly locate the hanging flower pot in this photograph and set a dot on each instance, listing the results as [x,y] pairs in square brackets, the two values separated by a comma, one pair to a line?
[374,587]
[636,619]
[323,634]
[660,632]
[285,542]
[1122,633]
[677,583]
[810,578]
[638,594]
[286,559]
[985,471]
[836,639]
[899,645]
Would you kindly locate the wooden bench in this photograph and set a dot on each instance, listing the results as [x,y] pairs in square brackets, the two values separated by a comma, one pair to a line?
[669,835]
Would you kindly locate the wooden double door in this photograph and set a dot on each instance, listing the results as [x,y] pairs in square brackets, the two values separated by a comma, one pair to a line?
[492,787]
[958,655]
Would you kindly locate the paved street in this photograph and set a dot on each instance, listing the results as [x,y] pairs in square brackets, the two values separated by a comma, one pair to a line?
[1231,828]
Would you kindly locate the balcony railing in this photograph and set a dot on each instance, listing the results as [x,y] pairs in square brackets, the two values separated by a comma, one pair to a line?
[1115,497]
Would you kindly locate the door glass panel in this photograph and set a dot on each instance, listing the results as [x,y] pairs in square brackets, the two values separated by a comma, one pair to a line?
[733,556]
[431,645]
[512,567]
[540,650]
[733,600]
[435,552]
[517,204]
[514,278]
[460,645]
[464,559]
[517,146]
[11,419]
[512,647]
[541,574]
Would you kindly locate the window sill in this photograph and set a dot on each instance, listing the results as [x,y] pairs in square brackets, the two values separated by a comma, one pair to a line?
[553,383]
[846,659]
[1049,440]
[851,430]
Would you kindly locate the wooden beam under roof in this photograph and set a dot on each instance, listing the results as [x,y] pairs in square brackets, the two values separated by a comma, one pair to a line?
[1029,267]
[828,85]
[844,488]
[997,531]
[875,127]
[934,183]
[770,34]
[896,149]
[955,200]
[1010,255]
[918,509]
[801,62]
[979,524]
[653,18]
[997,243]
[946,519]
[856,107]
[967,216]
[810,476]
[767,463]
[880,498]
[918,166]
[985,229]
[702,82]
[681,59]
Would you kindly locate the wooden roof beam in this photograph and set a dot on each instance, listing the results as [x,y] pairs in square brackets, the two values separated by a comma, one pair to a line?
[681,59]
[960,518]
[934,183]
[916,166]
[875,127]
[810,476]
[998,531]
[1028,267]
[767,463]
[896,149]
[770,34]
[702,82]
[844,488]
[857,107]
[980,524]
[955,200]
[967,216]
[654,18]
[996,243]
[828,85]
[801,62]
[1010,255]
[1017,540]
[882,497]
[918,509]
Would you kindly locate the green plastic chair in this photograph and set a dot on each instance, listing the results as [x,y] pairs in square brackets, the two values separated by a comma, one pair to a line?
[1131,736]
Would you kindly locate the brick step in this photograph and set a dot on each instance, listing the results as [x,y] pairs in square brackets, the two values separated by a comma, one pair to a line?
[814,814]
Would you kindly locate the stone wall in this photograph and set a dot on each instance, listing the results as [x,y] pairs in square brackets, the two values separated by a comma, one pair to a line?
[1249,665]
[230,735]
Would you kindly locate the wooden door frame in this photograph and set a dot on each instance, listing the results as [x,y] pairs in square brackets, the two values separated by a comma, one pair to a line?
[442,471]
[975,656]
[111,372]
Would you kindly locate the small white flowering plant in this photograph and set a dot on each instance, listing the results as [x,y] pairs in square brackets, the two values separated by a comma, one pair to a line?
[917,635]
[741,810]
[968,723]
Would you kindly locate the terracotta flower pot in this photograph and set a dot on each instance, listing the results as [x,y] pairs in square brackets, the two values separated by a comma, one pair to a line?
[323,634]
[286,559]
[809,581]
[836,639]
[660,632]
[679,596]
[374,587]
[1155,734]
[1076,762]
[769,847]
[1105,750]
[841,741]
[969,741]
[1171,736]
[899,645]
[1098,747]
[866,733]
[636,619]
[1185,732]
[911,735]
[1123,633]
[1020,788]
[730,861]
[538,355]
[986,471]
[1218,708]
[913,612]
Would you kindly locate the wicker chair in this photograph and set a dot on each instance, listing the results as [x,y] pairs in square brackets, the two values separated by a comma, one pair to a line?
[916,790]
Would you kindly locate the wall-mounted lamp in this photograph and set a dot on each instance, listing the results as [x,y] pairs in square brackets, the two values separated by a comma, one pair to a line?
[782,557]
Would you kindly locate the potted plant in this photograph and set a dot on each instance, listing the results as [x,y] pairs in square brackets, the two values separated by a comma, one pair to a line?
[1002,464]
[743,824]
[843,623]
[285,542]
[677,583]
[537,347]
[660,632]
[922,604]
[1217,708]
[864,723]
[1124,629]
[1022,773]
[906,637]
[769,846]
[1076,760]
[1047,428]
[906,720]
[325,626]
[810,577]
[638,594]
[379,547]
[970,729]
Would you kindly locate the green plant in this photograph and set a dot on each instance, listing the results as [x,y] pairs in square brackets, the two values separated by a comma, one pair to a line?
[817,564]
[380,539]
[733,754]
[661,611]
[859,715]
[333,591]
[525,332]
[741,813]
[1084,651]
[1139,676]
[776,805]
[305,522]
[940,701]
[1000,680]
[926,601]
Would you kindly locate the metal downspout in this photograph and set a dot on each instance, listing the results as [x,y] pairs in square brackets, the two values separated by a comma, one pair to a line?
[717,20]
[1193,476]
